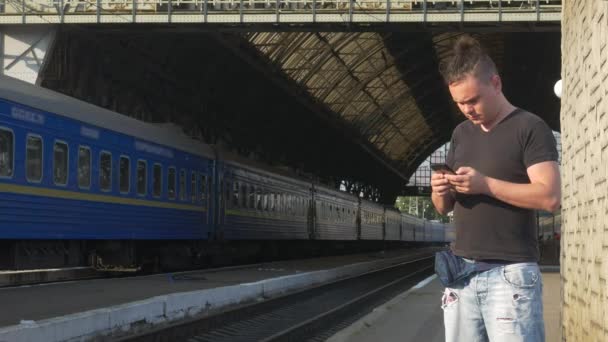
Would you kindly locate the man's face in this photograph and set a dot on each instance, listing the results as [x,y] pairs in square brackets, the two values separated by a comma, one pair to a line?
[476,99]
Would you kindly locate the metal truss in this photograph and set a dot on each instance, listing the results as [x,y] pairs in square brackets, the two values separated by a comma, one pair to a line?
[276,11]
[355,76]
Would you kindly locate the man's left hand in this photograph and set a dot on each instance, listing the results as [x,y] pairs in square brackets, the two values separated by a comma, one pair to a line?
[469,181]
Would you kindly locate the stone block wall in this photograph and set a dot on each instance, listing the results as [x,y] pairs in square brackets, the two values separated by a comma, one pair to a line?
[584,124]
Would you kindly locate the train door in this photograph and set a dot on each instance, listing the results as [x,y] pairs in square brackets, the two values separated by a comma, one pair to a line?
[217,198]
[384,223]
[206,194]
[359,213]
[312,213]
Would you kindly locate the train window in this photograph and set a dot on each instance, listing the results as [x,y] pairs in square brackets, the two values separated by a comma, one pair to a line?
[287,204]
[258,196]
[271,201]
[60,163]
[124,174]
[105,171]
[34,159]
[203,187]
[84,167]
[228,194]
[157,180]
[251,197]
[277,202]
[142,174]
[221,193]
[298,206]
[171,183]
[228,190]
[235,195]
[182,185]
[244,195]
[295,206]
[192,186]
[6,153]
[265,200]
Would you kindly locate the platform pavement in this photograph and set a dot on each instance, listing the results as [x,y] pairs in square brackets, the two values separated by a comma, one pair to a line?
[87,310]
[416,315]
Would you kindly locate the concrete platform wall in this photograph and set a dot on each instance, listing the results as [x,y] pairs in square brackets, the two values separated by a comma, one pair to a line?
[584,123]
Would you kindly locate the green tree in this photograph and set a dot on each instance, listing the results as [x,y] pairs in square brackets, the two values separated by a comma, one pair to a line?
[420,206]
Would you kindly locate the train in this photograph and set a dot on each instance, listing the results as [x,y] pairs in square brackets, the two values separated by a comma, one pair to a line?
[549,226]
[81,185]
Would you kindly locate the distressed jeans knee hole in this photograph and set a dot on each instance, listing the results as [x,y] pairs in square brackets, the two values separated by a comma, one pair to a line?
[450,298]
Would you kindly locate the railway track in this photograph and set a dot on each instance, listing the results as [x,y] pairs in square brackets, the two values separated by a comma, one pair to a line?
[309,315]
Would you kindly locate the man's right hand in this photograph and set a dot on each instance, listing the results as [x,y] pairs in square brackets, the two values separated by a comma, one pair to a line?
[442,197]
[440,184]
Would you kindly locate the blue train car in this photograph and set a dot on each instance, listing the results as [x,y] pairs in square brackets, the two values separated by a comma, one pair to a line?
[73,171]
[392,225]
[372,221]
[408,227]
[450,232]
[335,214]
[88,173]
[438,231]
[260,204]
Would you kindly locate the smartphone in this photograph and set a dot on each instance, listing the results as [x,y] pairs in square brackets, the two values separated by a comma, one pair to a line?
[443,168]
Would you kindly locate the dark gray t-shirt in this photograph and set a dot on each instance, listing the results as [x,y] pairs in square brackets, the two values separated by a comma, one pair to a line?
[487,228]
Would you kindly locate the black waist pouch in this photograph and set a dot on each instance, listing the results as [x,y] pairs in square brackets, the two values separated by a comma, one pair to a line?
[451,268]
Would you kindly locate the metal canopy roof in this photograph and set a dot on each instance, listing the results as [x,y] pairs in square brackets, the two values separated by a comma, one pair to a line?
[366,79]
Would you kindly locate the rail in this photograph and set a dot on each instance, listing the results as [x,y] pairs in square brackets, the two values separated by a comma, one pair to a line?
[313,314]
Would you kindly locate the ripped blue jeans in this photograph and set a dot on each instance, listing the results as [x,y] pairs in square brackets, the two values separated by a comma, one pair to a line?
[503,304]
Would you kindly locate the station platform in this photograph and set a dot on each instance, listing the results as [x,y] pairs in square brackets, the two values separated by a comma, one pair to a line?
[106,308]
[416,315]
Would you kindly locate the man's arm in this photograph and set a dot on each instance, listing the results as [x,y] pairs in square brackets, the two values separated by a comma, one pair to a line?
[442,198]
[543,191]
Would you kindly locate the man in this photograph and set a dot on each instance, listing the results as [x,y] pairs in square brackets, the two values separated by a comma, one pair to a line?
[505,162]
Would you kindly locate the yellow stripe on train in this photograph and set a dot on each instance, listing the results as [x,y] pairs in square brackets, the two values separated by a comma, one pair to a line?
[72,195]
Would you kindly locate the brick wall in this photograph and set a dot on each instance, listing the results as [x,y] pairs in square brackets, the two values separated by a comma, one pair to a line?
[584,123]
